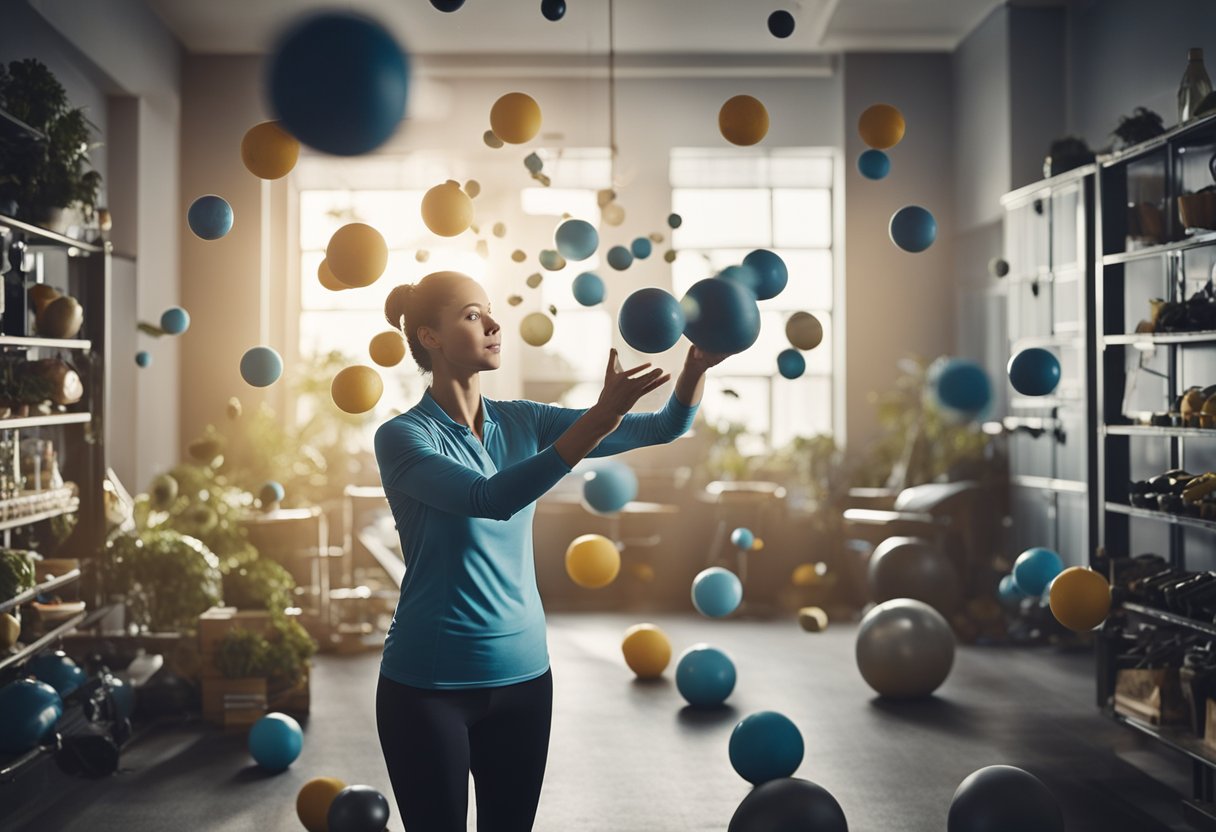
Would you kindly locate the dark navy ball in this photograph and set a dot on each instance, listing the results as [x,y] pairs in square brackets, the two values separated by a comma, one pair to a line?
[447,5]
[1034,372]
[913,228]
[651,320]
[553,9]
[338,82]
[791,363]
[781,24]
[962,385]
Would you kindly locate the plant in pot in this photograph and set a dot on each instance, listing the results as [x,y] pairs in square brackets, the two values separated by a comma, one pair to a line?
[166,578]
[45,177]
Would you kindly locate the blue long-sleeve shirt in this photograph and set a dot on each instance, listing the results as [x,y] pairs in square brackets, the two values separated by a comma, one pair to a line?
[469,614]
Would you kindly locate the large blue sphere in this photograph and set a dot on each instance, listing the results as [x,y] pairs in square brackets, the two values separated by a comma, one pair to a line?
[275,741]
[1034,372]
[261,366]
[28,712]
[765,746]
[874,164]
[651,320]
[58,670]
[609,486]
[1035,569]
[771,273]
[641,248]
[338,82]
[175,320]
[576,239]
[705,675]
[913,228]
[588,289]
[716,592]
[791,363]
[745,276]
[210,217]
[722,316]
[962,385]
[620,258]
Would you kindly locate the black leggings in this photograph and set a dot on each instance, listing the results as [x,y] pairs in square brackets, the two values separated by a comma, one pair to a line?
[432,739]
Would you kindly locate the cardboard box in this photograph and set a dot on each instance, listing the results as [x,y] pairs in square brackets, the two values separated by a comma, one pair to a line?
[293,701]
[234,703]
[1150,695]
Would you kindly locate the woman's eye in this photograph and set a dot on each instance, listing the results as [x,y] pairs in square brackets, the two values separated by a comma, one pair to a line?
[473,316]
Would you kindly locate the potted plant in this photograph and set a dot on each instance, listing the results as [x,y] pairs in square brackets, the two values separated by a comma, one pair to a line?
[45,177]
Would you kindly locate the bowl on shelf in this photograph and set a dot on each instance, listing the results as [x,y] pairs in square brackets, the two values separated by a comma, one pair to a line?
[62,611]
[1198,210]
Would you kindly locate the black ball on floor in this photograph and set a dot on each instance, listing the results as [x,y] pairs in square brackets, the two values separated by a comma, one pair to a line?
[911,567]
[1004,799]
[447,5]
[358,809]
[781,24]
[553,9]
[789,804]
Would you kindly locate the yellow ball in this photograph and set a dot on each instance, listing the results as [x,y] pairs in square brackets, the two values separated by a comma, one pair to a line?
[268,151]
[743,120]
[327,278]
[804,574]
[1080,598]
[592,561]
[536,329]
[313,801]
[647,650]
[881,126]
[447,210]
[613,214]
[472,188]
[356,389]
[387,349]
[357,255]
[804,330]
[515,118]
[757,544]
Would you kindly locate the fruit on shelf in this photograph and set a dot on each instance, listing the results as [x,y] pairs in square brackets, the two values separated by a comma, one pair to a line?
[62,318]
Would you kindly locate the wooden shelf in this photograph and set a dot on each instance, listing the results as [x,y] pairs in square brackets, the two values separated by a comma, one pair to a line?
[1207,238]
[1162,516]
[45,421]
[1148,339]
[46,237]
[1160,430]
[33,592]
[60,343]
[1206,627]
[29,519]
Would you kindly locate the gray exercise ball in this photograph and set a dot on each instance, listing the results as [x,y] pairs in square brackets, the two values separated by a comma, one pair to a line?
[905,648]
[1004,799]
[912,567]
[788,804]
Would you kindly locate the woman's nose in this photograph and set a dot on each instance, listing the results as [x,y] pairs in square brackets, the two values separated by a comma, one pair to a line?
[491,325]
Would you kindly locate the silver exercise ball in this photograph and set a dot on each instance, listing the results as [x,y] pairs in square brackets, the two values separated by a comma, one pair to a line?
[912,567]
[905,649]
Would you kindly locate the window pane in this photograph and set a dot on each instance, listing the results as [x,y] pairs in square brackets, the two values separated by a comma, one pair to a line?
[578,349]
[746,403]
[553,202]
[810,284]
[791,167]
[802,217]
[803,407]
[716,217]
[347,332]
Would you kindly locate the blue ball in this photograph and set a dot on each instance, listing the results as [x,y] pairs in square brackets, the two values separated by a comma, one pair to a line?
[620,258]
[261,366]
[275,741]
[553,10]
[588,289]
[874,164]
[771,273]
[58,670]
[722,316]
[271,492]
[641,248]
[913,228]
[742,538]
[534,163]
[28,712]
[338,82]
[674,220]
[1034,372]
[609,487]
[143,358]
[1035,569]
[781,24]
[745,276]
[791,363]
[576,239]
[962,385]
[551,259]
[651,320]
[705,675]
[765,746]
[210,217]
[716,592]
[175,320]
[1008,592]
[123,694]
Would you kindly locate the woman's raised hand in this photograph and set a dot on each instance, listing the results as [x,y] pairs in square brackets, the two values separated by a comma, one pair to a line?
[623,388]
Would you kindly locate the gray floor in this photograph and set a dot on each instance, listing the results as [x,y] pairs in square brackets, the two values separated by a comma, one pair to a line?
[627,756]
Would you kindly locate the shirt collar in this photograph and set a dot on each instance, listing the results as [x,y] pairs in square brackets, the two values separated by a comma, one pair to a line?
[432,409]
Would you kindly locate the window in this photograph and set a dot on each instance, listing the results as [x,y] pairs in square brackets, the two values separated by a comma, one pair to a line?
[732,203]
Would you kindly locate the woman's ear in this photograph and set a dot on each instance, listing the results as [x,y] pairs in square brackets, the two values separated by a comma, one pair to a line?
[428,338]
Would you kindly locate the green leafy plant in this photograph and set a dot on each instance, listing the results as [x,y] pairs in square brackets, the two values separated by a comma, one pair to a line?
[281,657]
[259,584]
[241,653]
[44,175]
[197,500]
[16,572]
[168,579]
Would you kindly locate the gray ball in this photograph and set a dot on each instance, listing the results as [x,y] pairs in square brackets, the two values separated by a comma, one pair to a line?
[788,804]
[911,567]
[998,267]
[905,649]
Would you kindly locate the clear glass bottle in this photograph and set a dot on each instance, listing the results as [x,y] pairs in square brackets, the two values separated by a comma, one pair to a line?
[1195,86]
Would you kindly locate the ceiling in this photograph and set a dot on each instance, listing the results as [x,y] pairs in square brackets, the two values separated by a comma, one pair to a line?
[656,27]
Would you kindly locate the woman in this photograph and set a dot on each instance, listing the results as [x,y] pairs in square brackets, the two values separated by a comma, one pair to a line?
[464,681]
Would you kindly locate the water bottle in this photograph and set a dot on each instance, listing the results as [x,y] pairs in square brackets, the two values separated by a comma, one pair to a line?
[1195,86]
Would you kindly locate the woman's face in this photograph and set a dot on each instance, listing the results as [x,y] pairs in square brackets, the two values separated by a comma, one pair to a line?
[469,337]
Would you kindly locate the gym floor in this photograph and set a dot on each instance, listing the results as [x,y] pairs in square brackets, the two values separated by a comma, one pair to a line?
[628,756]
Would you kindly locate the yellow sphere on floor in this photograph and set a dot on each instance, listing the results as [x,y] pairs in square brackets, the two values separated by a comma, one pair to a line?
[387,349]
[357,254]
[592,561]
[447,210]
[356,389]
[1079,598]
[313,801]
[647,650]
[268,151]
[881,126]
[743,120]
[515,118]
